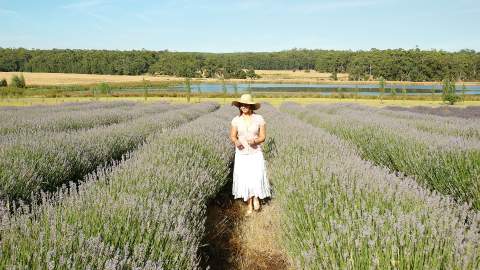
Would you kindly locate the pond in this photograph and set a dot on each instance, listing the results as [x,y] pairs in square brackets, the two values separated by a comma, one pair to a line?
[327,89]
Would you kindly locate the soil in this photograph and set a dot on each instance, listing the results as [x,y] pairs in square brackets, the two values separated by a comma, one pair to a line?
[236,241]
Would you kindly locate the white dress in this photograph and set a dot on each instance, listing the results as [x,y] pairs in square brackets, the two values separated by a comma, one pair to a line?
[249,173]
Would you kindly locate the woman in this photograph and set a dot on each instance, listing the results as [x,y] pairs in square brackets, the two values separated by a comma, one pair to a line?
[249,175]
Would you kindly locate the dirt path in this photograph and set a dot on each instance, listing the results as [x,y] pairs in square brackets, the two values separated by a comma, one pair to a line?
[239,242]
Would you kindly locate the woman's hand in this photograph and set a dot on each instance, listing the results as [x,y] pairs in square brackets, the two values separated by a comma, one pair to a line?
[251,142]
[239,145]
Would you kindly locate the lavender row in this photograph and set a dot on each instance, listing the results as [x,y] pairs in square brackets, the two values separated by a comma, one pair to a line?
[6,113]
[65,106]
[450,126]
[148,212]
[75,120]
[468,112]
[341,212]
[449,165]
[48,160]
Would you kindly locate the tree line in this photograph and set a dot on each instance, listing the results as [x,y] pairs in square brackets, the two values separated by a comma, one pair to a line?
[392,64]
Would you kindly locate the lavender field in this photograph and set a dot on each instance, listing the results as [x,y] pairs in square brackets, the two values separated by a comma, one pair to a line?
[127,186]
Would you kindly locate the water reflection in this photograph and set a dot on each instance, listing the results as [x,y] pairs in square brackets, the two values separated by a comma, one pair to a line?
[327,89]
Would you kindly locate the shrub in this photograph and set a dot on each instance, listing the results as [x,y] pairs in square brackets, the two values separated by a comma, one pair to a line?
[18,81]
[104,88]
[3,83]
[251,74]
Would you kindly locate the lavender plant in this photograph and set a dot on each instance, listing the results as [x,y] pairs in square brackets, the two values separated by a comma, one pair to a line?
[74,120]
[449,165]
[48,160]
[66,106]
[341,212]
[452,126]
[467,112]
[147,212]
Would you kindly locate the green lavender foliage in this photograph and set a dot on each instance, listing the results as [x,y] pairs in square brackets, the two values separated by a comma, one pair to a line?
[147,212]
[341,212]
[444,125]
[45,160]
[446,164]
[31,121]
[468,112]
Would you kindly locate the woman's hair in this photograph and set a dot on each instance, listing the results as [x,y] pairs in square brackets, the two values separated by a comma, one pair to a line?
[248,105]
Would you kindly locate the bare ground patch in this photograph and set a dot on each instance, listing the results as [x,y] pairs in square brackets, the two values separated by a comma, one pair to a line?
[235,241]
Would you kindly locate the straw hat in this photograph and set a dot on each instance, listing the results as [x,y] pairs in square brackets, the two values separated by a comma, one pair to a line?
[246,99]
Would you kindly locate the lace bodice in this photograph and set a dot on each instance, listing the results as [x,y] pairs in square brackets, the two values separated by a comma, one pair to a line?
[248,129]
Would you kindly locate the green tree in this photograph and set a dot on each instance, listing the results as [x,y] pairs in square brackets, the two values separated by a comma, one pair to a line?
[334,76]
[199,90]
[391,64]
[224,91]
[449,94]
[146,86]
[235,89]
[393,91]
[188,88]
[381,87]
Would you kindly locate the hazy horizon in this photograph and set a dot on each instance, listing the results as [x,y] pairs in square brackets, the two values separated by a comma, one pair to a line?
[233,52]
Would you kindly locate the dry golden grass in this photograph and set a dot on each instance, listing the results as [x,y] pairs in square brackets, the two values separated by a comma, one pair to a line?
[260,234]
[297,76]
[234,241]
[268,76]
[44,79]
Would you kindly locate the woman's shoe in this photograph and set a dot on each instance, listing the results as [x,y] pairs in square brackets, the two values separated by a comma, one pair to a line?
[256,204]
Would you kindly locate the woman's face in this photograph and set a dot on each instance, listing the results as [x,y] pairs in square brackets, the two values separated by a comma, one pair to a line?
[246,108]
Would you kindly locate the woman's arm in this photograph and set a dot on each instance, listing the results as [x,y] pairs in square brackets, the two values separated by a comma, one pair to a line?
[261,135]
[260,138]
[234,138]
[233,134]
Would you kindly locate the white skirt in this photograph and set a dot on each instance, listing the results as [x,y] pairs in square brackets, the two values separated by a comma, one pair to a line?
[250,176]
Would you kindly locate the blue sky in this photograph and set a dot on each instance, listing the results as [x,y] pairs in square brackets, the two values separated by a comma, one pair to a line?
[234,26]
